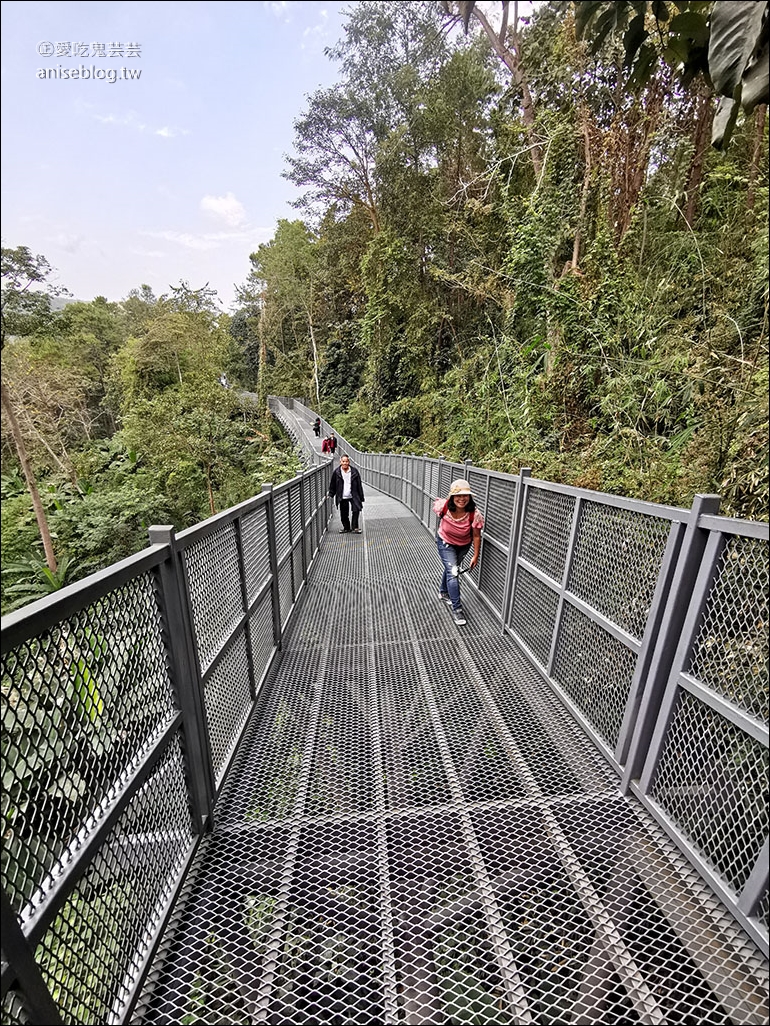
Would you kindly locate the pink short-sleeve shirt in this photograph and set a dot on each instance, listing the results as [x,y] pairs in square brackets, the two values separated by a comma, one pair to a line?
[457,532]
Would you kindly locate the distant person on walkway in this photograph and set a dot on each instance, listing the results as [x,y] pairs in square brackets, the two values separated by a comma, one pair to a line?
[332,443]
[348,493]
[459,528]
[317,427]
[325,447]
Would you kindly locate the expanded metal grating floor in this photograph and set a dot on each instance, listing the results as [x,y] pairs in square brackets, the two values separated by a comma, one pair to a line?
[416,831]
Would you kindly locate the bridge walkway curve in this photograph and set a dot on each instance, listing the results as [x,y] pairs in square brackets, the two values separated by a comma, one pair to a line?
[415,830]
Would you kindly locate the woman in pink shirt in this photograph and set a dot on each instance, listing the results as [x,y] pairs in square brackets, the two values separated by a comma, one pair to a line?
[460,525]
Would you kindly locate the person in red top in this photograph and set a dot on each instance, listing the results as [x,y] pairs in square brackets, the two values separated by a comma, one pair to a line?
[459,528]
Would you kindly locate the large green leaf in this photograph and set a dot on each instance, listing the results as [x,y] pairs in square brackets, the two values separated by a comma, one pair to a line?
[738,61]
[735,43]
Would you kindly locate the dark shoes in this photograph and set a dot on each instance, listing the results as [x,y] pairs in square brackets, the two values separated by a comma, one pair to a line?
[459,617]
[345,530]
[356,530]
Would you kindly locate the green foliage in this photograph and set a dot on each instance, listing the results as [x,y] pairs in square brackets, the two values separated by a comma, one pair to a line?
[34,580]
[27,289]
[726,42]
[127,426]
[602,319]
[575,322]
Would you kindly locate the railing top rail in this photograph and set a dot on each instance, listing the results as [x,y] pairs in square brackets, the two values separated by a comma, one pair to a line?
[213,524]
[677,513]
[734,525]
[45,612]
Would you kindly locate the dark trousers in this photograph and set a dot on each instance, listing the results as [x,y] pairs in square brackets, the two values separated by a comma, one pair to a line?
[345,515]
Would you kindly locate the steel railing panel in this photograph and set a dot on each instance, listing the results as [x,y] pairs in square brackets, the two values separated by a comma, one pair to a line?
[491,576]
[282,524]
[730,651]
[92,952]
[499,508]
[711,780]
[546,530]
[285,589]
[261,637]
[617,561]
[533,614]
[256,555]
[227,701]
[82,703]
[215,597]
[595,670]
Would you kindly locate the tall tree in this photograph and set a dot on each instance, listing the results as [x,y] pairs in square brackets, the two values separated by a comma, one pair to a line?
[286,274]
[506,41]
[26,309]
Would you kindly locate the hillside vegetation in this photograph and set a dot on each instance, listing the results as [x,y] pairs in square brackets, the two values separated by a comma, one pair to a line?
[512,254]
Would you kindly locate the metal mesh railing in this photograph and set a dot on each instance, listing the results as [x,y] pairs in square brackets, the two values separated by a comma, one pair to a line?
[394,822]
[83,702]
[729,653]
[711,780]
[124,699]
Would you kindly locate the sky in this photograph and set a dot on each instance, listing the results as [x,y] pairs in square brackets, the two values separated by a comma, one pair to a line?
[162,160]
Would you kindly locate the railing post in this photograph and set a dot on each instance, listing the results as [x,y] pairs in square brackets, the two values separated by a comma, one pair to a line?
[238,526]
[185,677]
[303,522]
[685,575]
[513,541]
[21,961]
[275,591]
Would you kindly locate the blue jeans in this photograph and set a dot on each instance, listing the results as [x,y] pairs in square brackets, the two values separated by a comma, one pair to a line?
[451,556]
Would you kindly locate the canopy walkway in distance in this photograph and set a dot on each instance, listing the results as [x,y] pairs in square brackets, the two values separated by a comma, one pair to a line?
[307,796]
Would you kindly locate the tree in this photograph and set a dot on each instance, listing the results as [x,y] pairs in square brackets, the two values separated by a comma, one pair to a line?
[335,148]
[25,310]
[507,44]
[286,273]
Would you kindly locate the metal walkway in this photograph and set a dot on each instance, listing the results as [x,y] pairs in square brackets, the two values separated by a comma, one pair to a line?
[415,830]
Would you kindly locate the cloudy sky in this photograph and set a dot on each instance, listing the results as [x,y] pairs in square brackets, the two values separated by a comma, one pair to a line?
[162,160]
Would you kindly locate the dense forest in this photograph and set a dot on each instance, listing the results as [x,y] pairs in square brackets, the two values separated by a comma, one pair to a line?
[515,246]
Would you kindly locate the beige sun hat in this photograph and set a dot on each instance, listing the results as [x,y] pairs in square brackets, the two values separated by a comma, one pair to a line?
[460,487]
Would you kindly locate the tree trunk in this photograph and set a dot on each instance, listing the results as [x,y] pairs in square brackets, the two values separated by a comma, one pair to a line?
[37,504]
[262,365]
[636,133]
[510,55]
[760,116]
[315,362]
[701,142]
[65,467]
